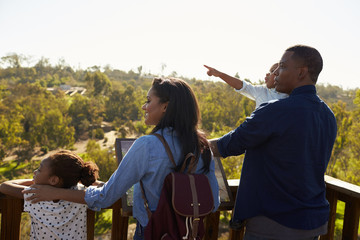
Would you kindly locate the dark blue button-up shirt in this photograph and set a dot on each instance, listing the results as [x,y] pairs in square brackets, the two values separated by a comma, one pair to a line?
[288,144]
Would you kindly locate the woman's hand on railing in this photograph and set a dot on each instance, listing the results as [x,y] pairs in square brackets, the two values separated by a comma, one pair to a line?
[42,193]
[49,193]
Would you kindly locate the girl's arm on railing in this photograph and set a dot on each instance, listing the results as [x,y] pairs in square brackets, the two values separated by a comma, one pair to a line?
[14,187]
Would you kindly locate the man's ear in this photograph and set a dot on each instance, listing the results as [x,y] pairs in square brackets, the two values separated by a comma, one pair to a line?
[54,180]
[303,72]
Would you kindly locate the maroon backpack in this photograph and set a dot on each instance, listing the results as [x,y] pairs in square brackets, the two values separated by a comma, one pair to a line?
[185,199]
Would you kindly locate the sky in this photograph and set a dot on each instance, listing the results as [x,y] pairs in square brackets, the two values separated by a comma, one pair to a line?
[163,36]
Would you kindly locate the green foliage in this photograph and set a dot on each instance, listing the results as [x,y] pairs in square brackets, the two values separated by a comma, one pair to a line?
[97,133]
[141,128]
[345,160]
[339,222]
[124,104]
[25,226]
[30,117]
[10,129]
[13,170]
[98,83]
[2,152]
[103,220]
[44,149]
[332,94]
[232,166]
[216,101]
[79,111]
[85,112]
[104,158]
[13,60]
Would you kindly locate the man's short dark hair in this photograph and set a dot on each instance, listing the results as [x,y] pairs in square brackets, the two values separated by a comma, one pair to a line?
[310,58]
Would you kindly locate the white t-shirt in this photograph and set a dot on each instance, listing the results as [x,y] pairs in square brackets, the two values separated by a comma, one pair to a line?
[260,93]
[56,220]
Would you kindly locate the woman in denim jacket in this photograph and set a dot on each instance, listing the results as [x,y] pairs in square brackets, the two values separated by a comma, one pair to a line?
[172,108]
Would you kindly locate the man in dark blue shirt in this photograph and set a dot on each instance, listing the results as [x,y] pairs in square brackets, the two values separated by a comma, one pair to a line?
[287,145]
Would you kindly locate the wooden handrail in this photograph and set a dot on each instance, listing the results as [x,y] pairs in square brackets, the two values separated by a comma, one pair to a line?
[350,194]
[335,190]
[11,209]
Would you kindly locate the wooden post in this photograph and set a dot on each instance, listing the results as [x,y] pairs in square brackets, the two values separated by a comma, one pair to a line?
[350,194]
[211,225]
[351,219]
[119,228]
[90,224]
[332,197]
[11,209]
[237,234]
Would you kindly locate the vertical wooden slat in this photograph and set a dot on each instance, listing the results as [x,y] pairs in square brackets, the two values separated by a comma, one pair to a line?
[11,209]
[332,197]
[237,234]
[119,228]
[351,219]
[90,223]
[211,224]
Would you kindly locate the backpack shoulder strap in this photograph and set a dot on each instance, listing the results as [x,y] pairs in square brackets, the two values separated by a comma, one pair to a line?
[193,161]
[192,164]
[166,145]
[146,204]
[171,157]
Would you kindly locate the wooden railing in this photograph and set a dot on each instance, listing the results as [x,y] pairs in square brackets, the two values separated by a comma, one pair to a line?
[11,209]
[335,190]
[350,194]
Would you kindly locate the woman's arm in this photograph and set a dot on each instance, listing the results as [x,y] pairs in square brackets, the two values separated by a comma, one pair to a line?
[14,187]
[49,193]
[129,172]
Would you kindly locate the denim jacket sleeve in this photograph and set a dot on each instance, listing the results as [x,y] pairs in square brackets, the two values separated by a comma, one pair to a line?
[130,171]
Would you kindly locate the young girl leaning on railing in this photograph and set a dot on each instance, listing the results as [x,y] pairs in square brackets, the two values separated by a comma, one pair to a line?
[56,219]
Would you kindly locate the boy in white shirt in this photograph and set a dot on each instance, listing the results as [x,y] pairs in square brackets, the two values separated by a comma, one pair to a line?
[259,93]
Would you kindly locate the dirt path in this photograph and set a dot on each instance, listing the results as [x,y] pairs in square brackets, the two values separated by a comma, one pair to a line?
[80,146]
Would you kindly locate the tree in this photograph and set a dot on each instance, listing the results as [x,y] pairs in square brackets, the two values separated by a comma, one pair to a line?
[98,83]
[123,104]
[38,117]
[80,114]
[163,66]
[43,67]
[104,158]
[339,157]
[13,60]
[139,70]
[10,132]
[351,152]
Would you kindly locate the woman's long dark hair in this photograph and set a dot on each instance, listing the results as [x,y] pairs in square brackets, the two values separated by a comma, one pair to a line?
[182,115]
